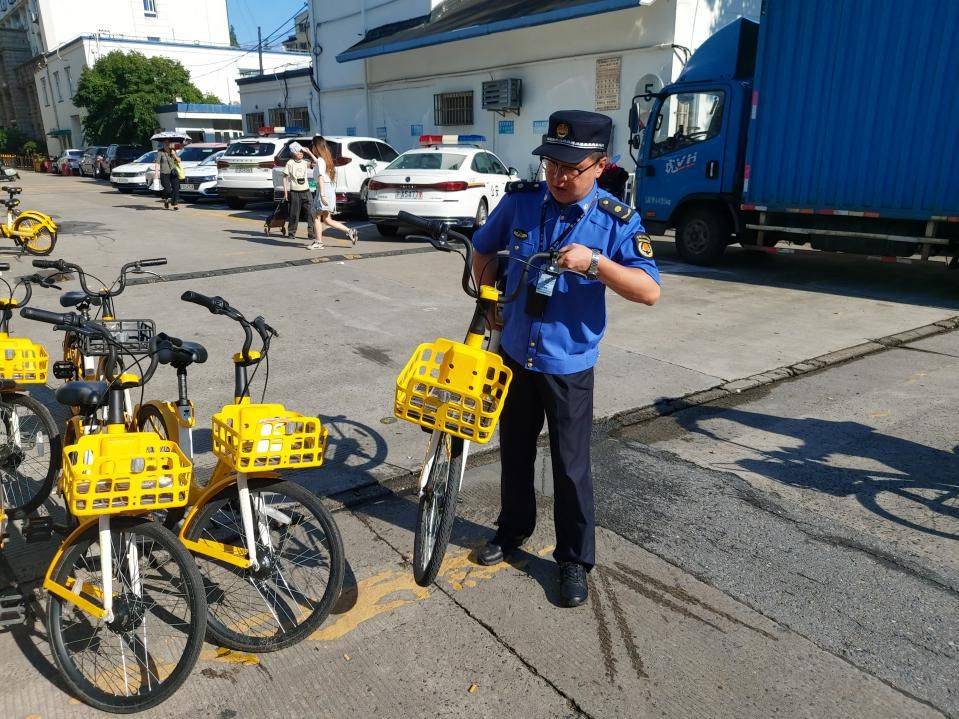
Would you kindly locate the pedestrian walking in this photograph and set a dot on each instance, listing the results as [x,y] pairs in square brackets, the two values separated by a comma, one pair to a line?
[169,169]
[296,188]
[324,201]
[550,336]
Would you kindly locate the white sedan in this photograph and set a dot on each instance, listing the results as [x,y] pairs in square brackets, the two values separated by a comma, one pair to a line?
[200,180]
[448,179]
[133,175]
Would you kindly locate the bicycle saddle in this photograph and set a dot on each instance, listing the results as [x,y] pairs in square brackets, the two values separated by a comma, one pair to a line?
[177,352]
[77,297]
[11,189]
[85,395]
[11,203]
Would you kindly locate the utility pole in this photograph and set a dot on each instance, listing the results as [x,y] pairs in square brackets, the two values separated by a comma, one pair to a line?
[259,46]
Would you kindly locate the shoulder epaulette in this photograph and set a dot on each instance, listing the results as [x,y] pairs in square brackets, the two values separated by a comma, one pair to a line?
[523,186]
[617,209]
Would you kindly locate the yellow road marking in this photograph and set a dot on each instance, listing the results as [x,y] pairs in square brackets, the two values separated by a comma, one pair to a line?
[228,656]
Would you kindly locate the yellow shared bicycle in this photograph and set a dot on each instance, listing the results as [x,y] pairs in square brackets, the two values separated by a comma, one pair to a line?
[32,230]
[456,391]
[126,611]
[269,552]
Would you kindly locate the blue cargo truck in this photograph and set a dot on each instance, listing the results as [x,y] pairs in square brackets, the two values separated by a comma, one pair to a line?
[831,123]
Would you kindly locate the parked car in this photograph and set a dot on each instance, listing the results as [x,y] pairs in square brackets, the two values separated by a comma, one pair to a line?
[92,160]
[244,170]
[192,155]
[117,155]
[133,175]
[69,159]
[455,183]
[201,179]
[357,159]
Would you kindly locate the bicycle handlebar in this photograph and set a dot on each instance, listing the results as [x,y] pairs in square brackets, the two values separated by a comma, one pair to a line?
[121,282]
[66,319]
[4,266]
[219,306]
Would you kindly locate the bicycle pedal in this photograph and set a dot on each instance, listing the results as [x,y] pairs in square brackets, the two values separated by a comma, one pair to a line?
[64,370]
[38,529]
[13,608]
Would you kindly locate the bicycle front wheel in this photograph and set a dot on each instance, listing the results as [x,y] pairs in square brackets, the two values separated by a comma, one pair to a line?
[437,508]
[145,653]
[300,554]
[29,454]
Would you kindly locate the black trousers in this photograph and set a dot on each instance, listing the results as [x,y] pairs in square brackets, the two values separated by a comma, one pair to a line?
[299,199]
[566,403]
[171,187]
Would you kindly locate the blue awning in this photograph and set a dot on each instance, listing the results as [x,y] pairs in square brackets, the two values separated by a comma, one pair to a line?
[462,19]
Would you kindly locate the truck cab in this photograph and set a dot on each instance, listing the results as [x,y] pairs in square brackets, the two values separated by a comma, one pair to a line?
[689,169]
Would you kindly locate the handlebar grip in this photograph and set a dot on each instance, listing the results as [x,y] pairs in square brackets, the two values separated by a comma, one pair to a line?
[433,227]
[46,264]
[214,304]
[153,262]
[4,266]
[52,318]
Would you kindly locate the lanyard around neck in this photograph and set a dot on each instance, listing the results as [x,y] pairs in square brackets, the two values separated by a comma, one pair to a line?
[569,229]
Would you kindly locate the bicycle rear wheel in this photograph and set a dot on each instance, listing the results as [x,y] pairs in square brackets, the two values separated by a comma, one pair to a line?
[437,508]
[300,573]
[29,454]
[41,243]
[141,657]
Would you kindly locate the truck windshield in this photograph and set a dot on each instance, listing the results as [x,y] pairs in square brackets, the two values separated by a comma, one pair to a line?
[686,119]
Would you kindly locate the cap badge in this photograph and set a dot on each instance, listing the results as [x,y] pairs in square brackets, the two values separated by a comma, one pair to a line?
[562,130]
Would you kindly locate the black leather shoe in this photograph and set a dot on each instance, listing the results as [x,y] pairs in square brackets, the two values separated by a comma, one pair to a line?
[496,550]
[572,584]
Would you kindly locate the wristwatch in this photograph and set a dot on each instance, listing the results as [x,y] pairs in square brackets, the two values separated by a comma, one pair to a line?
[593,272]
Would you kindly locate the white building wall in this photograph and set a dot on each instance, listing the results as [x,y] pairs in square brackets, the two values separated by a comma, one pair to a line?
[261,96]
[212,69]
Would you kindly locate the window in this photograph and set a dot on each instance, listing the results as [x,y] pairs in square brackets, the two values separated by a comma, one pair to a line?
[56,84]
[195,154]
[481,163]
[453,108]
[66,71]
[46,96]
[687,119]
[290,117]
[150,8]
[428,161]
[252,121]
[251,149]
[364,150]
[498,168]
[387,153]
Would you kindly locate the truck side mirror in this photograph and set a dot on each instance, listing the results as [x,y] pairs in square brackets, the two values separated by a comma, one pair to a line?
[634,122]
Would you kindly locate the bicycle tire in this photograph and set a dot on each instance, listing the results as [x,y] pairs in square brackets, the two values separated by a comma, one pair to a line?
[32,245]
[437,508]
[23,495]
[156,542]
[219,520]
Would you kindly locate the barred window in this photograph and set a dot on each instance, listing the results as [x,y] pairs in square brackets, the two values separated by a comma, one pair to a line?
[290,117]
[253,121]
[453,108]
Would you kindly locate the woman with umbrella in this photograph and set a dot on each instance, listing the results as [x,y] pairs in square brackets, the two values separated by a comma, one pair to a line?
[168,167]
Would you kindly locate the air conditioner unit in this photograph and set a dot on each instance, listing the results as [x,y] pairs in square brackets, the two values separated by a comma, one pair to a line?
[503,95]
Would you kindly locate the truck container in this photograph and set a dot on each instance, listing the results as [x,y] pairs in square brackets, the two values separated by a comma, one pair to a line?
[832,123]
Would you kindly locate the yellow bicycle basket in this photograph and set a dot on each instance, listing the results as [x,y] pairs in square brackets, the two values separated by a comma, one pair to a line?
[265,437]
[22,360]
[124,472]
[449,386]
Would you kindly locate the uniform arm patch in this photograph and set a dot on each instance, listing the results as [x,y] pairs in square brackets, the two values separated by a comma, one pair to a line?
[619,210]
[643,245]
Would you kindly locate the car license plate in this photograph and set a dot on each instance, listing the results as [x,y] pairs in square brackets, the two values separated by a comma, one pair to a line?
[409,195]
[243,169]
[188,187]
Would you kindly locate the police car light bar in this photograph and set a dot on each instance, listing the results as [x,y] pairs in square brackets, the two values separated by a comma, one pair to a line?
[451,139]
[275,130]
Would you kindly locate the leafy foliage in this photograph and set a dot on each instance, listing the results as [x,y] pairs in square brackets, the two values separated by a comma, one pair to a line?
[121,91]
[233,41]
[15,141]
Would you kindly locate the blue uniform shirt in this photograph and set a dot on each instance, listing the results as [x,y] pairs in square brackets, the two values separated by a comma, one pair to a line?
[566,338]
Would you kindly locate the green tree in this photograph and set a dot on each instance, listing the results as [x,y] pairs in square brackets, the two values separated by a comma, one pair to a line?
[233,41]
[211,99]
[121,90]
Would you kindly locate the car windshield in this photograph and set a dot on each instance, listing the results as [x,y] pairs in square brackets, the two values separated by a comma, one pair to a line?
[196,154]
[148,157]
[211,160]
[427,161]
[251,149]
[74,153]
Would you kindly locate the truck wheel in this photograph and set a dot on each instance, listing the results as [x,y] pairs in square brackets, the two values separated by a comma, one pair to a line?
[235,203]
[702,236]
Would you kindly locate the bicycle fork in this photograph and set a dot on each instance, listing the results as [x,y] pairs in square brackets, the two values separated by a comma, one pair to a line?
[258,526]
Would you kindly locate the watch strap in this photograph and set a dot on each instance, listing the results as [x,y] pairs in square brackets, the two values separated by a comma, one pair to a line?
[593,271]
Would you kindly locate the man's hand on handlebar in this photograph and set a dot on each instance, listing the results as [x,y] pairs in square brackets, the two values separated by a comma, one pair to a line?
[574,257]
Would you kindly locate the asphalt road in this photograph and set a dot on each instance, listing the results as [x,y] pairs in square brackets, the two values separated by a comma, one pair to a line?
[788,552]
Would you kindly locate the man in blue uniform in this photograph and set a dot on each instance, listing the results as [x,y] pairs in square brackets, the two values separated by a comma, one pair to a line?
[551,334]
